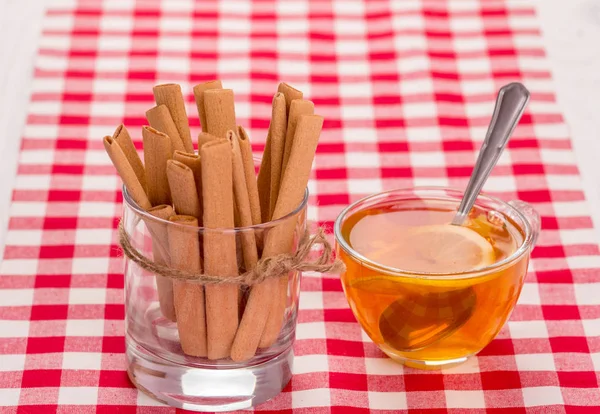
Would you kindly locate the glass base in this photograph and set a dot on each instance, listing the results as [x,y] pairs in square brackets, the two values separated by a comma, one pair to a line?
[207,389]
[425,364]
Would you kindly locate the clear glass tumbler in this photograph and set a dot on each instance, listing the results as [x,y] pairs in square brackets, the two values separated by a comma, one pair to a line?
[156,363]
[433,320]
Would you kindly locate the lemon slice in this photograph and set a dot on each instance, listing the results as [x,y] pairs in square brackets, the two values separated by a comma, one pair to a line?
[448,249]
[428,249]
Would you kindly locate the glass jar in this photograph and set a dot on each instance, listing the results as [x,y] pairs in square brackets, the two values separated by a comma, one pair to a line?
[156,361]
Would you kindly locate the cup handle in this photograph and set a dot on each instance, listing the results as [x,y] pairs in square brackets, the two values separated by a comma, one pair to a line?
[531,215]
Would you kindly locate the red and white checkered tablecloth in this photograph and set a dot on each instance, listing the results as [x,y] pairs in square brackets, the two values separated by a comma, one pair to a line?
[407,88]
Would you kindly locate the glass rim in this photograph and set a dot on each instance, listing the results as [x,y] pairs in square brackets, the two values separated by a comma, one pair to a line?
[394,271]
[130,203]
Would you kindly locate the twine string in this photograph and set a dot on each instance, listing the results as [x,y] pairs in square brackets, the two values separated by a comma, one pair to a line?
[266,268]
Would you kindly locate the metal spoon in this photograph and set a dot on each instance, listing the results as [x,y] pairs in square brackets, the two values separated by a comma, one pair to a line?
[406,325]
[510,104]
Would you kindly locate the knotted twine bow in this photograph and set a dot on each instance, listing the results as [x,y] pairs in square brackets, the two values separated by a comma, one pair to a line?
[266,268]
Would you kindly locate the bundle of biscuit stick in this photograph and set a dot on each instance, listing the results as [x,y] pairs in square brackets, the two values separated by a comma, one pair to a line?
[217,188]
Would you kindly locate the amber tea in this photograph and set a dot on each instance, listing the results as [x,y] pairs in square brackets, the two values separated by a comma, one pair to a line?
[411,295]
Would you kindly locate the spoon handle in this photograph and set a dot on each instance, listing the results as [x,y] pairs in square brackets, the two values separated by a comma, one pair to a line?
[510,104]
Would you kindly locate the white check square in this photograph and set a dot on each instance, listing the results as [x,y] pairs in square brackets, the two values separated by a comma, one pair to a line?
[174,23]
[78,395]
[466,24]
[530,294]
[292,26]
[55,41]
[292,7]
[107,109]
[431,181]
[591,327]
[427,159]
[233,44]
[11,362]
[99,182]
[41,131]
[235,25]
[16,297]
[18,266]
[596,360]
[116,23]
[53,63]
[311,300]
[348,26]
[10,396]
[404,43]
[173,64]
[47,85]
[174,43]
[351,47]
[235,7]
[14,329]
[45,108]
[109,86]
[319,397]
[293,67]
[360,134]
[420,110]
[364,185]
[354,68]
[23,238]
[89,265]
[96,209]
[416,86]
[465,399]
[117,4]
[97,157]
[587,293]
[411,64]
[423,134]
[62,22]
[349,7]
[292,45]
[382,366]
[93,236]
[387,400]
[306,364]
[362,159]
[470,44]
[479,109]
[473,65]
[82,360]
[311,330]
[542,396]
[500,182]
[85,327]
[477,86]
[114,42]
[87,296]
[535,362]
[414,22]
[528,329]
[355,89]
[43,157]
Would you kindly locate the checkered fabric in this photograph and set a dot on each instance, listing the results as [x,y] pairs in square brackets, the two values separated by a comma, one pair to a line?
[407,88]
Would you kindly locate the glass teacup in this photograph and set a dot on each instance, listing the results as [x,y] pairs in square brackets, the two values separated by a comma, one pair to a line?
[404,281]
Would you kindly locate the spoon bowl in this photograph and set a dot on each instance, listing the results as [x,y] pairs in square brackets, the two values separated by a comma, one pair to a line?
[409,324]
